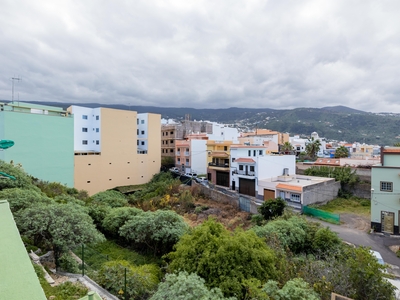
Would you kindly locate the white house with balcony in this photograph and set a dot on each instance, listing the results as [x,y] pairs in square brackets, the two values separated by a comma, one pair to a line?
[250,163]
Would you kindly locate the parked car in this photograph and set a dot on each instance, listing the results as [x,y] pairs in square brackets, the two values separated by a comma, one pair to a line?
[193,175]
[201,179]
[378,257]
[174,169]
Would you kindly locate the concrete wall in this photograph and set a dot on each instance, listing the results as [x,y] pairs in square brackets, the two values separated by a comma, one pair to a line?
[44,144]
[321,192]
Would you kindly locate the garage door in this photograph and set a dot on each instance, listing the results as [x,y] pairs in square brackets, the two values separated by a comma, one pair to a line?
[223,178]
[247,186]
[269,194]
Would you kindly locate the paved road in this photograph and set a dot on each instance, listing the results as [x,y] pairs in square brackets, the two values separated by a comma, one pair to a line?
[376,241]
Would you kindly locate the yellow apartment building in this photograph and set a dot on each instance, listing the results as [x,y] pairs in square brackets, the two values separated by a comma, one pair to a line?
[114,148]
[218,156]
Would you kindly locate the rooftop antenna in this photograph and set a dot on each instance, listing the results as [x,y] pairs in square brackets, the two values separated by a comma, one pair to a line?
[13,79]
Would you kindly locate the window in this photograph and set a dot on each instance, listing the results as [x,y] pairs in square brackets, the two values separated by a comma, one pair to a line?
[179,160]
[172,141]
[137,142]
[137,122]
[295,197]
[137,131]
[141,121]
[142,143]
[187,160]
[84,142]
[225,148]
[97,118]
[259,152]
[166,133]
[142,131]
[171,132]
[249,152]
[171,150]
[240,167]
[233,159]
[97,129]
[254,152]
[84,117]
[251,168]
[386,186]
[84,129]
[97,142]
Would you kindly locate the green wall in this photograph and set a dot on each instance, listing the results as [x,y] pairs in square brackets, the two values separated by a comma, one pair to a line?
[44,144]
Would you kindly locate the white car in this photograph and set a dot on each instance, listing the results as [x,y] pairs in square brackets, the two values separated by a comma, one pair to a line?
[202,179]
[174,169]
[191,175]
[378,257]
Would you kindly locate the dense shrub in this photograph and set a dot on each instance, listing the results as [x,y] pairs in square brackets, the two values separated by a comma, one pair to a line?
[156,231]
[141,281]
[272,208]
[224,259]
[111,198]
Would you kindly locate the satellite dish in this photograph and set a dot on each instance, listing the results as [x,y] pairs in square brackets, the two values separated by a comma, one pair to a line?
[5,144]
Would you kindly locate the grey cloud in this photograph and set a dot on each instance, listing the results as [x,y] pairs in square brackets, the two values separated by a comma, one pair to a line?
[277,54]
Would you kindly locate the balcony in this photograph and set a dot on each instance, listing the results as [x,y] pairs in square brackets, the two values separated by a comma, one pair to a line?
[186,153]
[218,165]
[246,173]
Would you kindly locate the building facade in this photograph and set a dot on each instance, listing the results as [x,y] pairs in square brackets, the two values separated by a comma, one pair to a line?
[44,140]
[385,192]
[114,148]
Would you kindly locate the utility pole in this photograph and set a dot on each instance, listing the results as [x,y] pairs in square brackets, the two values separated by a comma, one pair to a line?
[13,79]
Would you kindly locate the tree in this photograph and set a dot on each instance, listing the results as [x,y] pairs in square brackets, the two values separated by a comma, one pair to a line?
[224,259]
[287,148]
[117,217]
[60,227]
[396,144]
[22,179]
[313,147]
[341,151]
[23,198]
[111,198]
[366,275]
[158,231]
[294,289]
[141,281]
[184,286]
[272,208]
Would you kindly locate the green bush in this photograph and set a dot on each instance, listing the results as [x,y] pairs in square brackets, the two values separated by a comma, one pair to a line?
[68,264]
[111,198]
[272,208]
[141,281]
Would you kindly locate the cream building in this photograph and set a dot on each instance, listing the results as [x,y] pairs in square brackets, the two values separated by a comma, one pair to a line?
[114,148]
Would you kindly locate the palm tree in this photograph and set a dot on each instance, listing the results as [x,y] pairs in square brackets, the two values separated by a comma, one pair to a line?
[313,147]
[287,148]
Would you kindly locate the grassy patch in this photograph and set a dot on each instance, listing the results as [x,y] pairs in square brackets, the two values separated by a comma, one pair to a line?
[354,205]
[97,254]
[64,291]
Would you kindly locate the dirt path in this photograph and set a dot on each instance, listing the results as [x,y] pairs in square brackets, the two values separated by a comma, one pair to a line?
[354,221]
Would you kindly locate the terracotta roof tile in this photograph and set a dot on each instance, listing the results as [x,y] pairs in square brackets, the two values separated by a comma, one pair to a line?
[289,187]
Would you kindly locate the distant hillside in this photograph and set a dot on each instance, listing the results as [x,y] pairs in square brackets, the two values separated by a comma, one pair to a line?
[334,123]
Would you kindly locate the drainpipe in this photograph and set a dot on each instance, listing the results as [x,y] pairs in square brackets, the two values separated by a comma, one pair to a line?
[91,295]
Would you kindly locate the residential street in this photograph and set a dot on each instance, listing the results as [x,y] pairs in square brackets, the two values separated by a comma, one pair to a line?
[376,241]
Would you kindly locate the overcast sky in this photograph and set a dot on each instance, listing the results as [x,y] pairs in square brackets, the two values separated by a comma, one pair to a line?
[203,54]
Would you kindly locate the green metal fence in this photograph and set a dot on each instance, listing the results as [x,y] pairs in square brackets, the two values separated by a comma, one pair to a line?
[320,214]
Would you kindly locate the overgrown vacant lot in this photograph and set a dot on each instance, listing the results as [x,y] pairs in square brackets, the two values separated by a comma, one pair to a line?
[226,214]
[354,205]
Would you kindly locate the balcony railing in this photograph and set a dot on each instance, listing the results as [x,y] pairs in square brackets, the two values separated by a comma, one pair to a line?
[186,153]
[248,173]
[218,165]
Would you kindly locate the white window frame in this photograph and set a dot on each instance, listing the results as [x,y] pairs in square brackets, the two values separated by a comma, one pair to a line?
[386,186]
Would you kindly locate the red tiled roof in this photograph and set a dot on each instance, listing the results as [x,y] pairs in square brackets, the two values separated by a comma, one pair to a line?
[245,160]
[289,187]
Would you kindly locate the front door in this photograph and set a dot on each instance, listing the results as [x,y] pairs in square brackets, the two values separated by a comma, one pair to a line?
[387,221]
